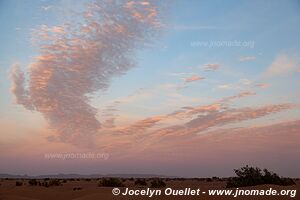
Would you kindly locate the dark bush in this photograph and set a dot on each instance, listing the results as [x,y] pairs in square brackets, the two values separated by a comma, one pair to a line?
[32,182]
[50,182]
[209,180]
[55,182]
[140,182]
[251,176]
[19,183]
[46,184]
[123,179]
[77,188]
[110,182]
[158,183]
[215,178]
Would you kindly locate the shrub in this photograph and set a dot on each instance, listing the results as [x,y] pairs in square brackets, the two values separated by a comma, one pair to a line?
[32,182]
[158,183]
[209,180]
[77,188]
[123,179]
[140,182]
[55,182]
[19,183]
[46,184]
[215,178]
[110,182]
[50,182]
[250,176]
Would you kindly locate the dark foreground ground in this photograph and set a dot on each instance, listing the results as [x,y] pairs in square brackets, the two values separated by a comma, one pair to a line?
[89,190]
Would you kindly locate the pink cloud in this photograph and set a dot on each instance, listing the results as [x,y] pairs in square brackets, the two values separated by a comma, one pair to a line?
[283,64]
[228,87]
[262,85]
[193,78]
[237,143]
[57,29]
[139,138]
[211,66]
[77,60]
[187,112]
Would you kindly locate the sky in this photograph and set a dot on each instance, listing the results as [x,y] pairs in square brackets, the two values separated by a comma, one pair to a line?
[179,88]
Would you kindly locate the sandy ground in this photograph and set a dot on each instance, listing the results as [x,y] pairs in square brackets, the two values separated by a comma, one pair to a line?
[90,191]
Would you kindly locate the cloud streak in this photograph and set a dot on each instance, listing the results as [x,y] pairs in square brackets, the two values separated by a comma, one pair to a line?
[178,117]
[79,59]
[192,123]
[263,85]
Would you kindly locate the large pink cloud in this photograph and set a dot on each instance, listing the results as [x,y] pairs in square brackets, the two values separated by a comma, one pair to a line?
[79,59]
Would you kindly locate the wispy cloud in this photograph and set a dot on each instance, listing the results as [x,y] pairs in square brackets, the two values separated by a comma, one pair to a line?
[228,87]
[247,58]
[237,142]
[191,122]
[245,81]
[46,8]
[211,66]
[283,64]
[193,78]
[202,123]
[262,85]
[180,74]
[186,113]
